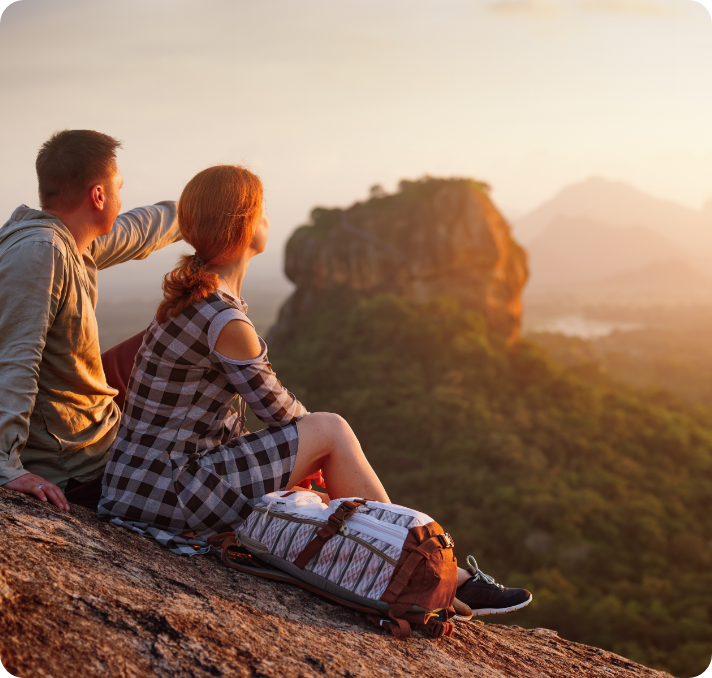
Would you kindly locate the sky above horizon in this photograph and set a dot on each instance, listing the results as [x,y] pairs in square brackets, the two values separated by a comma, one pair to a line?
[324,98]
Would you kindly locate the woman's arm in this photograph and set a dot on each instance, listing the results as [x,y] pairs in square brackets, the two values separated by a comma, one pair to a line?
[238,341]
[243,356]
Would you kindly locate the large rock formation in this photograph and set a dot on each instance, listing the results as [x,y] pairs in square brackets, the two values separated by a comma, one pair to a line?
[434,237]
[80,598]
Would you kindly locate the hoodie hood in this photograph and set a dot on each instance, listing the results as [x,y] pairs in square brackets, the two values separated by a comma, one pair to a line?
[26,222]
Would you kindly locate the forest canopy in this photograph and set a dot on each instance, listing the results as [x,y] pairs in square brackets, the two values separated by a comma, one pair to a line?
[595,498]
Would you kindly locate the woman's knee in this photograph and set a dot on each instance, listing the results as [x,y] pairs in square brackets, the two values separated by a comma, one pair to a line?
[325,430]
[327,423]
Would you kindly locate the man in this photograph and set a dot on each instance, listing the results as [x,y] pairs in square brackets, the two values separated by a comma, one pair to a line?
[58,417]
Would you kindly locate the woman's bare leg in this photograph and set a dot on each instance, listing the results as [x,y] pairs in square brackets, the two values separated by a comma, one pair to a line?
[327,442]
[462,576]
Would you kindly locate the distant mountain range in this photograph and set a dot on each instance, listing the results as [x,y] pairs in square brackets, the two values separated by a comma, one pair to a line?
[602,241]
[616,203]
[578,249]
[662,283]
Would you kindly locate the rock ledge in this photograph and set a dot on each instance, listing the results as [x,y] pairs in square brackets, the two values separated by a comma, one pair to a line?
[83,598]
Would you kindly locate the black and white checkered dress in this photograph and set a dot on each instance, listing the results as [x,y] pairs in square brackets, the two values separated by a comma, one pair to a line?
[177,472]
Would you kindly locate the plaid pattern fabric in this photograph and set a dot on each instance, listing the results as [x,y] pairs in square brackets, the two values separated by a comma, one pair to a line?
[175,468]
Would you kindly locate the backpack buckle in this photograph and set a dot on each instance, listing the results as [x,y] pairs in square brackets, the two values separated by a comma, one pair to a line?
[446,540]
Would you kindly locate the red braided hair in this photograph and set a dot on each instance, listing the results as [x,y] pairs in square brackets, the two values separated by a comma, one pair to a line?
[217,214]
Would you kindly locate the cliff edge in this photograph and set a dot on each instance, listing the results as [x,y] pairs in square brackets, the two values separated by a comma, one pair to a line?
[434,237]
[83,598]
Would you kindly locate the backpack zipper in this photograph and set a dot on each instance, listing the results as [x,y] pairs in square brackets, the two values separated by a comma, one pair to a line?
[398,532]
[396,508]
[321,523]
[387,528]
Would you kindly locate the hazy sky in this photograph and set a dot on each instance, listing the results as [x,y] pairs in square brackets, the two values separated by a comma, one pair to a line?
[324,98]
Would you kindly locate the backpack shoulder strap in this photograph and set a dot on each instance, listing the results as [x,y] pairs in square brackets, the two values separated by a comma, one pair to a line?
[336,520]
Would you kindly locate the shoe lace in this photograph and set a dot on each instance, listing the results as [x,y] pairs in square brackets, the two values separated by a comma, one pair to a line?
[481,576]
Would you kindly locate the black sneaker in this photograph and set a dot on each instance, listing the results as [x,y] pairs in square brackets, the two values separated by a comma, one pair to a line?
[485,596]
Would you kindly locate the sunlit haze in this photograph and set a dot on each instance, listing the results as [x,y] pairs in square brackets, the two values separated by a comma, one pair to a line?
[324,99]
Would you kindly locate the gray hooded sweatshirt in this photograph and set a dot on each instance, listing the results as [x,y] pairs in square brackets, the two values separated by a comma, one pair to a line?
[57,413]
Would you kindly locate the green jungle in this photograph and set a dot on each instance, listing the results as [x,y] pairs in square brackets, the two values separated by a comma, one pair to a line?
[597,497]
[671,351]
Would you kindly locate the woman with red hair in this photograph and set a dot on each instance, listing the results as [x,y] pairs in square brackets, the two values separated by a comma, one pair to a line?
[180,468]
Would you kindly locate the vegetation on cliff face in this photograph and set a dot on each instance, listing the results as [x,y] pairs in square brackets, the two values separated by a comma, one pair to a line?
[596,499]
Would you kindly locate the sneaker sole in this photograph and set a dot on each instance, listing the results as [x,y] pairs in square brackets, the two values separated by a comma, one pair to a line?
[491,610]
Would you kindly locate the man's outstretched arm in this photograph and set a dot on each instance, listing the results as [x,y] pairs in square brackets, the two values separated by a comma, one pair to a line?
[31,280]
[137,233]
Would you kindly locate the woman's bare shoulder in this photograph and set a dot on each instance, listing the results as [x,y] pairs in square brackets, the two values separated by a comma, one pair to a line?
[238,341]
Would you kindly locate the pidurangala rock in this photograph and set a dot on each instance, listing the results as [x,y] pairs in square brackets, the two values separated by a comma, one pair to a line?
[84,599]
[434,237]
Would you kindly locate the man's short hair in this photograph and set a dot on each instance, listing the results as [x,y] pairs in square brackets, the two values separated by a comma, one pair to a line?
[70,163]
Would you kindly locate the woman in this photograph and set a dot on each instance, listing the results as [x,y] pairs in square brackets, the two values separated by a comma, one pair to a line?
[180,470]
[179,465]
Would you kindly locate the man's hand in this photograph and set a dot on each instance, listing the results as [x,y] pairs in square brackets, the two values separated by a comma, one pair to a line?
[32,484]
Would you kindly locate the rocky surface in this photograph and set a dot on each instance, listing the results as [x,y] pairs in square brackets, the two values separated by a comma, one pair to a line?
[434,237]
[83,598]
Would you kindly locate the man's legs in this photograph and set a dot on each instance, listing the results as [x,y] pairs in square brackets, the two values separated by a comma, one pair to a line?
[118,363]
[84,494]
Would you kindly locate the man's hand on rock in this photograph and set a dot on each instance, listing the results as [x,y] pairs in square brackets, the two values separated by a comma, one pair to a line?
[43,490]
